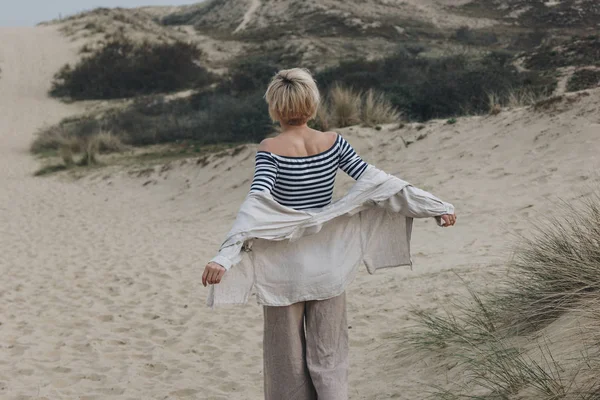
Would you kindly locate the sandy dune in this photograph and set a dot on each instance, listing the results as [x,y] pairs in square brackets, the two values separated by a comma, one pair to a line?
[100,296]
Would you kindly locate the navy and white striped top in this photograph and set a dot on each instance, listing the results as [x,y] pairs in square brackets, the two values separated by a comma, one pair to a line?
[305,182]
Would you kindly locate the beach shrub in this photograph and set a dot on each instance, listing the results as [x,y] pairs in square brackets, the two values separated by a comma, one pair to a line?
[425,88]
[577,51]
[472,37]
[123,68]
[209,117]
[250,75]
[584,79]
[233,110]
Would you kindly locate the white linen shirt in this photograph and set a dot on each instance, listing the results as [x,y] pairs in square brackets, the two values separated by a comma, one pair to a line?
[287,255]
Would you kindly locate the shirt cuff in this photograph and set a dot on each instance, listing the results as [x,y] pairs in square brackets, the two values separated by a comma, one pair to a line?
[449,210]
[222,261]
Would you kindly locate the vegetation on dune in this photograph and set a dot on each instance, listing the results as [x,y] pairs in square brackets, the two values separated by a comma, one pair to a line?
[122,68]
[190,15]
[584,79]
[75,151]
[536,336]
[233,111]
[538,14]
[577,51]
[474,37]
[343,106]
[358,92]
[424,88]
[209,117]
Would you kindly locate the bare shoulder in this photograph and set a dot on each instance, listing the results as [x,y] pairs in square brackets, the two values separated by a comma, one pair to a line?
[266,145]
[331,137]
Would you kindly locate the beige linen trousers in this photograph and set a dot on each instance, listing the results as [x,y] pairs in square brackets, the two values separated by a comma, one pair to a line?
[305,350]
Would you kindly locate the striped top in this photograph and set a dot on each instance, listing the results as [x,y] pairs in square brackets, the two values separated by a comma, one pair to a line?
[305,182]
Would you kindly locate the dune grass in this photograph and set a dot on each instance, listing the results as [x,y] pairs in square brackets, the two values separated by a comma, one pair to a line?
[59,139]
[536,336]
[344,106]
[515,98]
[74,151]
[377,109]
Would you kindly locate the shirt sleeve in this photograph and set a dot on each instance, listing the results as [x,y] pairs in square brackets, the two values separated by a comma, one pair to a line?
[421,204]
[265,172]
[228,256]
[350,162]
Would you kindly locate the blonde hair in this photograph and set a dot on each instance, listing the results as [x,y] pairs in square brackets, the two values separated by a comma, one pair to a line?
[293,96]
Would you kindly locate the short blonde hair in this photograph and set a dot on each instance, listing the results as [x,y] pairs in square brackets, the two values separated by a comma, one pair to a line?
[293,96]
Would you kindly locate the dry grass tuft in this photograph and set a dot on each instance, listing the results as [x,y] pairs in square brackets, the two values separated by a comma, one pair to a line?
[494,103]
[535,337]
[66,154]
[515,98]
[322,120]
[107,143]
[68,146]
[60,140]
[377,109]
[91,149]
[345,105]
[50,139]
[522,98]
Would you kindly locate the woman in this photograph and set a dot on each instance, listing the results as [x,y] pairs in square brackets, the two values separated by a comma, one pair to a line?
[305,330]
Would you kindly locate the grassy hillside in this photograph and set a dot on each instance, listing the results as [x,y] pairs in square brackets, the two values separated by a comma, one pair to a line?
[222,53]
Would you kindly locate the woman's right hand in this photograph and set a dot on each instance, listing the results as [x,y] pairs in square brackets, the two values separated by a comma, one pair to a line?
[449,220]
[213,273]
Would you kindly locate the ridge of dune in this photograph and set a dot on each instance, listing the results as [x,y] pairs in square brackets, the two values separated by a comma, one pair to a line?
[225,15]
[101,296]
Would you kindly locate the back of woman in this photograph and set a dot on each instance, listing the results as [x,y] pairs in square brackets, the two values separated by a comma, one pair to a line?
[305,343]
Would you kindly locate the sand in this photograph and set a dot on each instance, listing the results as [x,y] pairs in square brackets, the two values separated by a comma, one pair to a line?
[100,296]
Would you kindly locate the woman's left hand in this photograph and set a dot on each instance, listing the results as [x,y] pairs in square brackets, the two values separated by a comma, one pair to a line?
[449,220]
[213,274]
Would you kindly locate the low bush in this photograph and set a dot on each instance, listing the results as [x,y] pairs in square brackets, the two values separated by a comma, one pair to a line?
[584,79]
[423,88]
[577,51]
[204,118]
[472,37]
[249,75]
[368,92]
[123,68]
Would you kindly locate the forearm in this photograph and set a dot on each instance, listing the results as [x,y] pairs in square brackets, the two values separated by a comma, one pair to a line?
[421,204]
[228,256]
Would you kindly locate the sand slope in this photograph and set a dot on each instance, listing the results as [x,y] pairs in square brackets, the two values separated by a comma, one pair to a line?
[100,296]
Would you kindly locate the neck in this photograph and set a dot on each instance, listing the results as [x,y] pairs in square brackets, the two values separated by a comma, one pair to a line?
[292,128]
